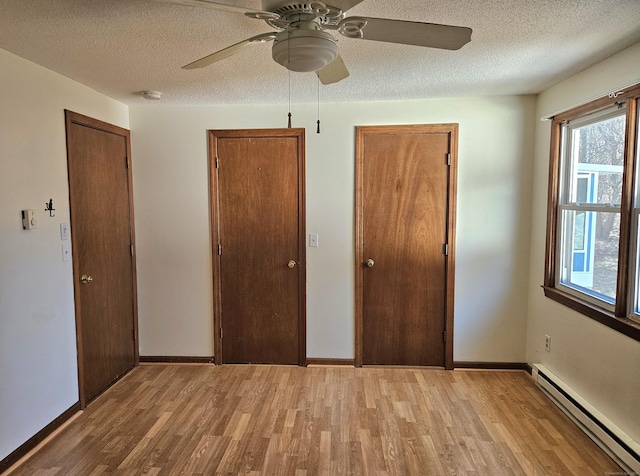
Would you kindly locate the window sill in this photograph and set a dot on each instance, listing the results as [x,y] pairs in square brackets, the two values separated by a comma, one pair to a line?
[624,325]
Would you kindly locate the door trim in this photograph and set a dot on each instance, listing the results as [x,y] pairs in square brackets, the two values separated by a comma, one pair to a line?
[299,134]
[86,121]
[361,133]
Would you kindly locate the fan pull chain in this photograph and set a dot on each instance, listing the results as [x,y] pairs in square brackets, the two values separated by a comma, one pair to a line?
[289,124]
[288,64]
[318,121]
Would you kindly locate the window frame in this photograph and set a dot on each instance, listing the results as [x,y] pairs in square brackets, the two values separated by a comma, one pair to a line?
[566,203]
[619,316]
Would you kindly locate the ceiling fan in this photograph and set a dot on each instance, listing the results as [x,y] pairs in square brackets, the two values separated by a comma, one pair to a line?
[303,41]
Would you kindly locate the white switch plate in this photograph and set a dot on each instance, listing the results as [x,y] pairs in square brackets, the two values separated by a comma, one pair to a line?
[313,240]
[66,251]
[64,231]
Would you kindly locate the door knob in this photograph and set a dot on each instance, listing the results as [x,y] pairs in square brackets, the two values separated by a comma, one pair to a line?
[86,279]
[291,263]
[370,263]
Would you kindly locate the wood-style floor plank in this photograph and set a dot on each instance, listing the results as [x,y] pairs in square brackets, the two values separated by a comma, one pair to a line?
[271,420]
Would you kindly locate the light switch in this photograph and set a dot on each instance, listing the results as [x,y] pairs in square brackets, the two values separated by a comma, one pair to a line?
[313,240]
[66,251]
[29,220]
[64,231]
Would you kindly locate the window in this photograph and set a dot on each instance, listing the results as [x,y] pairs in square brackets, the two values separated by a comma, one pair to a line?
[593,225]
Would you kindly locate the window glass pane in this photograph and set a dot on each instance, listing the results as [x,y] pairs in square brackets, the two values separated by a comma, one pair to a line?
[589,258]
[597,155]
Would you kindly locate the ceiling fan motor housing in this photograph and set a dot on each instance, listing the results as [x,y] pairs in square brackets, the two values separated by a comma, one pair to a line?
[304,50]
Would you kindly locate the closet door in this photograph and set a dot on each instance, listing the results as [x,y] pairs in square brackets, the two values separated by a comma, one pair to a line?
[258,217]
[403,222]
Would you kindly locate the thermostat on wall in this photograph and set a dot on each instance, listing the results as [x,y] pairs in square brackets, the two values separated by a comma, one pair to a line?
[28,220]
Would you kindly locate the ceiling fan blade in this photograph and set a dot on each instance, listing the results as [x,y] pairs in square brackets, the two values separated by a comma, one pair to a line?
[230,50]
[333,72]
[250,12]
[344,5]
[431,35]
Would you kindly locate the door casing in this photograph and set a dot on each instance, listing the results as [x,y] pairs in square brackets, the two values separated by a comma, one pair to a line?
[361,133]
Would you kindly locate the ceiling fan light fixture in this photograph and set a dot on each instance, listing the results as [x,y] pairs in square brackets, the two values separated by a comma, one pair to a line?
[304,50]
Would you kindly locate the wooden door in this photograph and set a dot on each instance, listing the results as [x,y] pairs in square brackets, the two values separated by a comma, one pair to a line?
[257,198]
[102,241]
[405,215]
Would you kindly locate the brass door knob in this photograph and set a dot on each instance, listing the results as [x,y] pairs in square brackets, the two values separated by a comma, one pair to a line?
[86,279]
[291,263]
[370,263]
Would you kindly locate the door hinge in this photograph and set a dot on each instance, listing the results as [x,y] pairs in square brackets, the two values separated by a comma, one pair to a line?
[217,163]
[132,252]
[133,333]
[126,159]
[221,333]
[444,336]
[448,159]
[219,249]
[445,249]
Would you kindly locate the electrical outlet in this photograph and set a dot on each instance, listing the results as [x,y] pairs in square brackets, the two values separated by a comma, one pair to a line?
[547,343]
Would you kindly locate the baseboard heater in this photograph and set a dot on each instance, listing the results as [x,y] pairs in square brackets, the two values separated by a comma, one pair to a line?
[618,445]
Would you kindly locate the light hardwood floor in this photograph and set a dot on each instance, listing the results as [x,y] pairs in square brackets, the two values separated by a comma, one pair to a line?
[205,420]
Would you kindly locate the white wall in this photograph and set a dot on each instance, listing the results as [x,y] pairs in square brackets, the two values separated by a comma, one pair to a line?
[173,231]
[38,367]
[602,365]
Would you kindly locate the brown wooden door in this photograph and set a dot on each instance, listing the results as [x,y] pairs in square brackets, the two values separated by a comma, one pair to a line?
[403,222]
[258,217]
[102,239]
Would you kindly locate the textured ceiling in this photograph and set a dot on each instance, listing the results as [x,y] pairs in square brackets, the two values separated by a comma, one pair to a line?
[121,47]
